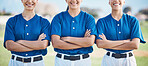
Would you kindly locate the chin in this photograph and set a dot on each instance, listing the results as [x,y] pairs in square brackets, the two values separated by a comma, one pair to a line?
[116,9]
[29,9]
[74,8]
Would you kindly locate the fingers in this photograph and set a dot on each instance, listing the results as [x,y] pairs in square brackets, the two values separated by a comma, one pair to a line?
[103,37]
[42,36]
[103,34]
[87,33]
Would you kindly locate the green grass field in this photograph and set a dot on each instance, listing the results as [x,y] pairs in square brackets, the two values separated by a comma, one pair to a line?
[96,61]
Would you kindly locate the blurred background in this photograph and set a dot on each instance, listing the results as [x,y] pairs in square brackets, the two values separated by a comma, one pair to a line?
[98,8]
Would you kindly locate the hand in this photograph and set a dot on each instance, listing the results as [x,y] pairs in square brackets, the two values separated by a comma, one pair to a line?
[65,38]
[42,36]
[87,33]
[103,37]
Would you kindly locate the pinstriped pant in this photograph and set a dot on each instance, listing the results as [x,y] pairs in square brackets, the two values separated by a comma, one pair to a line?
[111,61]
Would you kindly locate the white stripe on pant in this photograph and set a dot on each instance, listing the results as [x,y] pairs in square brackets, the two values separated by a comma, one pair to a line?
[19,63]
[111,61]
[81,62]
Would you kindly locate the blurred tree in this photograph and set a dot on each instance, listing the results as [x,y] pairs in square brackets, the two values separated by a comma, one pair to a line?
[3,12]
[46,9]
[142,15]
[144,11]
[93,12]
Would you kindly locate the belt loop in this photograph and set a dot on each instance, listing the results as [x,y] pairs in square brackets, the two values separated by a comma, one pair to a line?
[32,58]
[132,52]
[81,57]
[62,56]
[127,54]
[111,54]
[15,56]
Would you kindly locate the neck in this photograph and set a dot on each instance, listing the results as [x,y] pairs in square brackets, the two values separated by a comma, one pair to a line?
[117,15]
[28,13]
[74,12]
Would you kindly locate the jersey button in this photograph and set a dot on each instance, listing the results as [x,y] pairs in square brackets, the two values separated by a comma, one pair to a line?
[26,25]
[118,25]
[73,27]
[27,33]
[119,32]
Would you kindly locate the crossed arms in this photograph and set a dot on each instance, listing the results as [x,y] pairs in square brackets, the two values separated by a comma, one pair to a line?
[67,43]
[24,45]
[117,45]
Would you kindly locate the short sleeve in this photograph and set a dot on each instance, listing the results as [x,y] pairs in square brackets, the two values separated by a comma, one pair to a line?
[100,28]
[9,31]
[91,25]
[56,26]
[46,29]
[136,30]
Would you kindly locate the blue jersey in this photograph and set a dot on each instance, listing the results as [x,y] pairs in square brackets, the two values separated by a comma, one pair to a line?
[17,28]
[63,24]
[127,27]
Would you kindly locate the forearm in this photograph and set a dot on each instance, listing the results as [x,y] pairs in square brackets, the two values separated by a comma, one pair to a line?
[13,46]
[83,41]
[36,45]
[64,45]
[60,44]
[134,44]
[109,44]
[126,46]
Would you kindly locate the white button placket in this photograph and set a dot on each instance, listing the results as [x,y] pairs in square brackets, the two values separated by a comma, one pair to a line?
[73,24]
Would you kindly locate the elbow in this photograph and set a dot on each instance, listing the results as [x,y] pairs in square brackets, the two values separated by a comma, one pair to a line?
[55,45]
[99,43]
[8,47]
[135,46]
[44,45]
[89,43]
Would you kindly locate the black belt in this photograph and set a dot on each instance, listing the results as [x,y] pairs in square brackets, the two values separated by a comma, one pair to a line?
[115,55]
[73,58]
[27,60]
